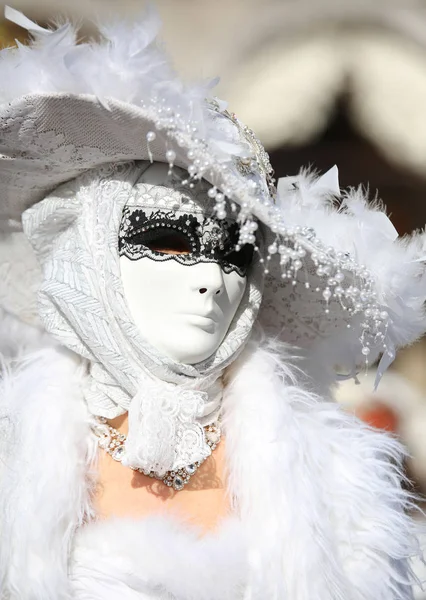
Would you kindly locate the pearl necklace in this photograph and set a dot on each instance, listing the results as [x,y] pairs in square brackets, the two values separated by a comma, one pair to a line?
[113,442]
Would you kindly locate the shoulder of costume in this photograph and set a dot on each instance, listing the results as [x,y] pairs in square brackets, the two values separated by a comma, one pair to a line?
[44,454]
[337,483]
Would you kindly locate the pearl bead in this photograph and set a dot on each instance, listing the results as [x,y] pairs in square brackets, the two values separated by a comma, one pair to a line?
[150,136]
[170,156]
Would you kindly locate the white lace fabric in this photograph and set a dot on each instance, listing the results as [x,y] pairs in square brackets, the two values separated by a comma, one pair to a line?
[74,232]
[175,437]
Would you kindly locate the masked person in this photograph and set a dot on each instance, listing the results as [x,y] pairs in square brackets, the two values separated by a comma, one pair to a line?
[171,433]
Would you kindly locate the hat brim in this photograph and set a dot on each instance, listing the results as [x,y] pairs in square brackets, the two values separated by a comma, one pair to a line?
[48,139]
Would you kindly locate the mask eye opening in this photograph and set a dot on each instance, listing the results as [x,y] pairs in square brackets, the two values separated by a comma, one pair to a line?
[165,240]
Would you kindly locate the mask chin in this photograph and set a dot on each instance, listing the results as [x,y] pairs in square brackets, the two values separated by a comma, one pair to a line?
[182,311]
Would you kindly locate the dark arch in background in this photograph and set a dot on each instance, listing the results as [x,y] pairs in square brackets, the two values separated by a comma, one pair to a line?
[359,162]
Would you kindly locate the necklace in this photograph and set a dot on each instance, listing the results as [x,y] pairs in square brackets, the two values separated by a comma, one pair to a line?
[113,442]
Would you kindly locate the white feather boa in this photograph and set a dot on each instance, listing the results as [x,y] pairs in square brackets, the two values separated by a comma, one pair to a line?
[320,492]
[318,495]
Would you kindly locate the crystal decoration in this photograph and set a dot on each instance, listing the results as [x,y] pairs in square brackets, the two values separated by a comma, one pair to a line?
[118,453]
[174,479]
[190,469]
[178,483]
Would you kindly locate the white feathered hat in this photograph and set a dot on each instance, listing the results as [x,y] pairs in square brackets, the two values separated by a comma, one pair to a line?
[337,277]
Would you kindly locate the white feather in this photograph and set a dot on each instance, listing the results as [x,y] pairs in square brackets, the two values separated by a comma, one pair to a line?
[128,64]
[318,495]
[362,229]
[44,487]
[158,557]
[320,492]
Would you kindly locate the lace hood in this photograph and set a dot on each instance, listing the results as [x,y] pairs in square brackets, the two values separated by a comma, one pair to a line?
[75,234]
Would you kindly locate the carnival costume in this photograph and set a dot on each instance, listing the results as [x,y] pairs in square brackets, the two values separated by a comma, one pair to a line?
[318,509]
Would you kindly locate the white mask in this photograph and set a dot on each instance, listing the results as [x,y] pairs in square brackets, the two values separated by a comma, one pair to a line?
[182,279]
[183,311]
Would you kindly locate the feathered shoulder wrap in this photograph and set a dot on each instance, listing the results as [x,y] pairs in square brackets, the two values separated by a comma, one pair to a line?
[319,508]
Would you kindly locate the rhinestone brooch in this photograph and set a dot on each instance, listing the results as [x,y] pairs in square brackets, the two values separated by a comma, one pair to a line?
[113,442]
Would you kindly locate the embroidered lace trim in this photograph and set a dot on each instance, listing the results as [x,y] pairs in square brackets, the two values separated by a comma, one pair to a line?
[204,239]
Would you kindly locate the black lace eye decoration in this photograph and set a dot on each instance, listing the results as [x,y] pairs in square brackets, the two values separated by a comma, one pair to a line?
[166,235]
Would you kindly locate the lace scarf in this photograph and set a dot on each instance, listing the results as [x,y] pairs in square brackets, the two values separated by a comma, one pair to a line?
[74,233]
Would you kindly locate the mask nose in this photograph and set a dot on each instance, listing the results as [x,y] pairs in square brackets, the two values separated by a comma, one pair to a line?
[205,290]
[211,282]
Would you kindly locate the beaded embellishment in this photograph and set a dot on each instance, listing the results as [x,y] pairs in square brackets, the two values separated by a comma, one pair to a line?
[258,161]
[113,442]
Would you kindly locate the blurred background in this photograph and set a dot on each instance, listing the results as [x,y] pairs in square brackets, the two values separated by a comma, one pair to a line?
[320,82]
